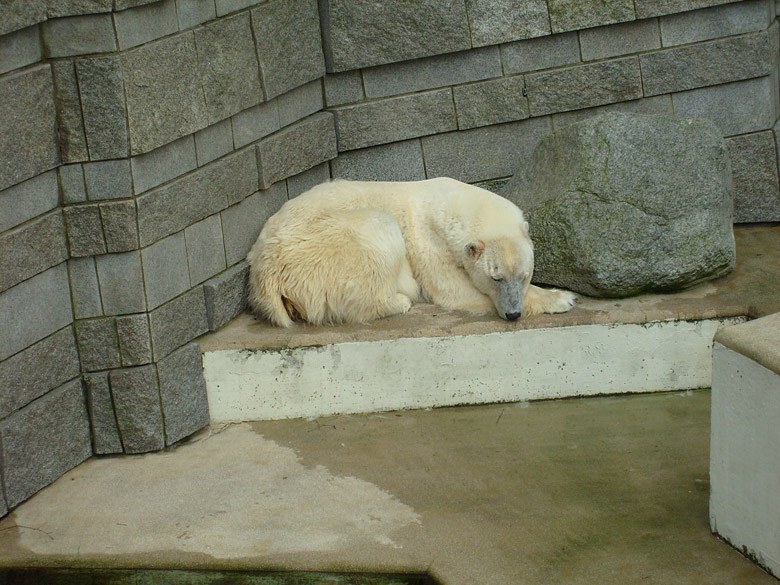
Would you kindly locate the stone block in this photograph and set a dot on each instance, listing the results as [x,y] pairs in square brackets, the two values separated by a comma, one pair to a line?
[241,223]
[432,72]
[194,12]
[44,440]
[205,249]
[661,104]
[255,123]
[343,88]
[490,102]
[102,418]
[648,8]
[398,161]
[541,53]
[70,124]
[163,164]
[121,283]
[178,322]
[27,109]
[120,226]
[584,86]
[754,168]
[702,64]
[98,344]
[72,185]
[566,15]
[227,6]
[108,179]
[353,40]
[85,230]
[32,248]
[713,23]
[146,23]
[304,181]
[125,4]
[102,91]
[289,44]
[483,153]
[19,14]
[135,340]
[394,119]
[164,96]
[183,393]
[296,148]
[213,142]
[57,9]
[165,269]
[494,185]
[79,35]
[499,21]
[619,39]
[20,48]
[137,405]
[29,199]
[299,103]
[226,295]
[22,377]
[84,288]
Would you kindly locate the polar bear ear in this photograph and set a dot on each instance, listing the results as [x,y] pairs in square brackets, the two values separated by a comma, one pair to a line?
[474,249]
[526,227]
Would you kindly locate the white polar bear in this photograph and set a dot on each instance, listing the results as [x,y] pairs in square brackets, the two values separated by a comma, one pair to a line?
[351,251]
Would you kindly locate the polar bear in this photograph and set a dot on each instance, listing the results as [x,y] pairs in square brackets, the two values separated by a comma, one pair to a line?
[354,251]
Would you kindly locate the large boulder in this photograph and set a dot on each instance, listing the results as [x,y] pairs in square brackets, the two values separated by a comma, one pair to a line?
[622,204]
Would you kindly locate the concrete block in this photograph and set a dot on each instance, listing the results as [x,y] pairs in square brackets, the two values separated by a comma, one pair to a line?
[137,405]
[121,283]
[710,63]
[619,39]
[72,185]
[109,179]
[120,226]
[213,142]
[584,86]
[304,181]
[648,8]
[85,230]
[165,269]
[299,103]
[227,6]
[227,62]
[398,161]
[226,295]
[28,199]
[432,72]
[713,23]
[23,379]
[736,108]
[84,288]
[19,14]
[499,21]
[165,100]
[70,124]
[241,223]
[661,104]
[27,109]
[20,48]
[135,340]
[79,35]
[205,249]
[32,248]
[296,148]
[483,153]
[541,53]
[44,440]
[102,418]
[98,344]
[163,164]
[754,169]
[194,12]
[255,123]
[343,88]
[420,29]
[178,322]
[101,86]
[146,23]
[183,393]
[490,102]
[568,15]
[394,119]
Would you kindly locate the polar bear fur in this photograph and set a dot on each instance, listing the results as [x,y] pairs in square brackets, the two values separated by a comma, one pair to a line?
[351,251]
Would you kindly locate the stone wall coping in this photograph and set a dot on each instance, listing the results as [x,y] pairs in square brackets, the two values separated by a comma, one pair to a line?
[759,340]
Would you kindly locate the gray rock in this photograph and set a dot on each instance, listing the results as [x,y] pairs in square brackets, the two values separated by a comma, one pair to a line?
[70,124]
[178,322]
[397,161]
[498,21]
[18,14]
[578,14]
[20,49]
[120,227]
[183,393]
[85,231]
[621,204]
[754,167]
[98,344]
[102,418]
[121,283]
[137,405]
[226,295]
[490,102]
[135,341]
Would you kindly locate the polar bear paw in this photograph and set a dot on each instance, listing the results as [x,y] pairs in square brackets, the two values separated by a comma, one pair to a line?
[552,300]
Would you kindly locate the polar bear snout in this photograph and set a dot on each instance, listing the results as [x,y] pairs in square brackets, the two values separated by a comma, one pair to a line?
[512,316]
[509,300]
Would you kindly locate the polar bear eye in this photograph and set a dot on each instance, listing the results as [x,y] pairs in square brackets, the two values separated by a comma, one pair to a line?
[497,278]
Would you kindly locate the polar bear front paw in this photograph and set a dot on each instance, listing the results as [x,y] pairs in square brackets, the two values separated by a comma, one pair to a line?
[544,300]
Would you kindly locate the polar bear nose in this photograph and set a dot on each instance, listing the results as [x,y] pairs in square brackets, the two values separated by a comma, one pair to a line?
[512,316]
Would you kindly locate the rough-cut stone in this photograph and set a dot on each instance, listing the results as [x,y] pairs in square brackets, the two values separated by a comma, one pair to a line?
[177,322]
[299,103]
[621,204]
[28,199]
[165,269]
[304,181]
[709,63]
[578,14]
[70,124]
[255,123]
[343,88]
[498,21]
[72,185]
[296,148]
[398,161]
[194,12]
[84,288]
[109,179]
[362,33]
[22,377]
[125,4]
[27,109]
[241,223]
[98,344]
[754,168]
[163,164]
[584,86]
[18,14]
[135,341]
[79,35]
[20,48]
[213,142]
[227,6]
[289,44]
[85,231]
[648,8]
[205,249]
[120,227]
[619,39]
[716,22]
[541,53]
[394,119]
[121,283]
[183,393]
[59,8]
[661,104]
[141,25]
[44,440]
[226,295]
[105,432]
[490,102]
[137,405]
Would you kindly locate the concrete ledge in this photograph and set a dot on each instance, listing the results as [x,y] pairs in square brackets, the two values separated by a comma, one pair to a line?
[757,340]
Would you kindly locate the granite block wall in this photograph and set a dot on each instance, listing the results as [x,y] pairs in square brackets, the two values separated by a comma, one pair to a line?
[143,143]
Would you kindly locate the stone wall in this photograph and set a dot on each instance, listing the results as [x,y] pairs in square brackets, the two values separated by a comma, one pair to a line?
[144,143]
